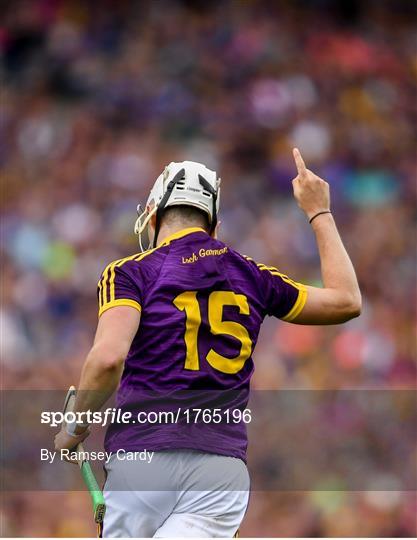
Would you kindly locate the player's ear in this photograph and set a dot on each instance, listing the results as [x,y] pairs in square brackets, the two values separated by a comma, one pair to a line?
[216,230]
[152,221]
[151,227]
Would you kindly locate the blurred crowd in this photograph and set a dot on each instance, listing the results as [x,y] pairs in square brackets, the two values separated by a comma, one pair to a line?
[99,96]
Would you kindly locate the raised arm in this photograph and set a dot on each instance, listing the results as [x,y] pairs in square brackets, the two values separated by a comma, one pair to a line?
[340,299]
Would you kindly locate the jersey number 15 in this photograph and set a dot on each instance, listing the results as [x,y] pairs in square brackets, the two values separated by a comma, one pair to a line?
[187,302]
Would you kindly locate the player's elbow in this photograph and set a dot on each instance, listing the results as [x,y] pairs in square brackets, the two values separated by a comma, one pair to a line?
[352,306]
[106,358]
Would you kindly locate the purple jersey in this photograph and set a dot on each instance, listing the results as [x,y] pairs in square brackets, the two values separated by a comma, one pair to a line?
[202,305]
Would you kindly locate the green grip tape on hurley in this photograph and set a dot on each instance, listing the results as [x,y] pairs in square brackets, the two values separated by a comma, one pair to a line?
[99,505]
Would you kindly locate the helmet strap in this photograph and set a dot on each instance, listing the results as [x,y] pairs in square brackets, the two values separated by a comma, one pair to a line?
[163,203]
[140,226]
[206,185]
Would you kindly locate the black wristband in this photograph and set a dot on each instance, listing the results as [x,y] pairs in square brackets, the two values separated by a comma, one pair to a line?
[319,214]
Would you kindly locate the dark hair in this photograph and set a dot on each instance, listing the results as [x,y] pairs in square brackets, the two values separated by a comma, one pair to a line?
[185,215]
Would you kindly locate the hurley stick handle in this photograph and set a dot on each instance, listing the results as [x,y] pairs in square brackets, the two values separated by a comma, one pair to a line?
[99,505]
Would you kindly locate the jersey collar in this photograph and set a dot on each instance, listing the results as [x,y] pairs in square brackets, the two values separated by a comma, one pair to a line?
[180,234]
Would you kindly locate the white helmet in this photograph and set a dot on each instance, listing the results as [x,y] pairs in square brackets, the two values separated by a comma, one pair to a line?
[186,183]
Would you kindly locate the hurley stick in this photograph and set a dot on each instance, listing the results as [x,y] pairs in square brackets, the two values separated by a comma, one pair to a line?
[99,506]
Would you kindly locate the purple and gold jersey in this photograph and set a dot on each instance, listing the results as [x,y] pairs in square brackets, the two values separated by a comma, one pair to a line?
[202,305]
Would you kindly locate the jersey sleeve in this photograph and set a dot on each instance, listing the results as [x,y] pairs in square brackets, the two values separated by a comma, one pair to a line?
[118,287]
[284,298]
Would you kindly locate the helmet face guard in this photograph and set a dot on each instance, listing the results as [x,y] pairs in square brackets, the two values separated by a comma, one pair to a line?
[187,183]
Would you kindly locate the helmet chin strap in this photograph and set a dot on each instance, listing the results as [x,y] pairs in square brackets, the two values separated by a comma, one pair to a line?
[140,227]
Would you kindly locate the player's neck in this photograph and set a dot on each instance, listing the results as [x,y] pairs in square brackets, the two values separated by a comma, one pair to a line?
[168,230]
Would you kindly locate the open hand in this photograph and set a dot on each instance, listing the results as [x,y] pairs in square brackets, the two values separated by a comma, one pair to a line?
[310,191]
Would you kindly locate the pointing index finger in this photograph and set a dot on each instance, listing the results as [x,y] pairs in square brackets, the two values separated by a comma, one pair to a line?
[299,162]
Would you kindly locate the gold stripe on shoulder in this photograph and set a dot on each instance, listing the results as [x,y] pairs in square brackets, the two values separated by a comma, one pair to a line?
[285,278]
[145,254]
[118,263]
[270,268]
[275,272]
[105,277]
[136,257]
[100,291]
[298,306]
[120,302]
[109,276]
[104,282]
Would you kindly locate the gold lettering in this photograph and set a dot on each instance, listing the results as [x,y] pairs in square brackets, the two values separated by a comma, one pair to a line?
[189,260]
[212,252]
[203,253]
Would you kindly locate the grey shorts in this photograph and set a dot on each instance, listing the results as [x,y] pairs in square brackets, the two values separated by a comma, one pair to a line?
[181,493]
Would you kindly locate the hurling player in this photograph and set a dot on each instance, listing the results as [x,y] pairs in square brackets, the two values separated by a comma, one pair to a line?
[177,327]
